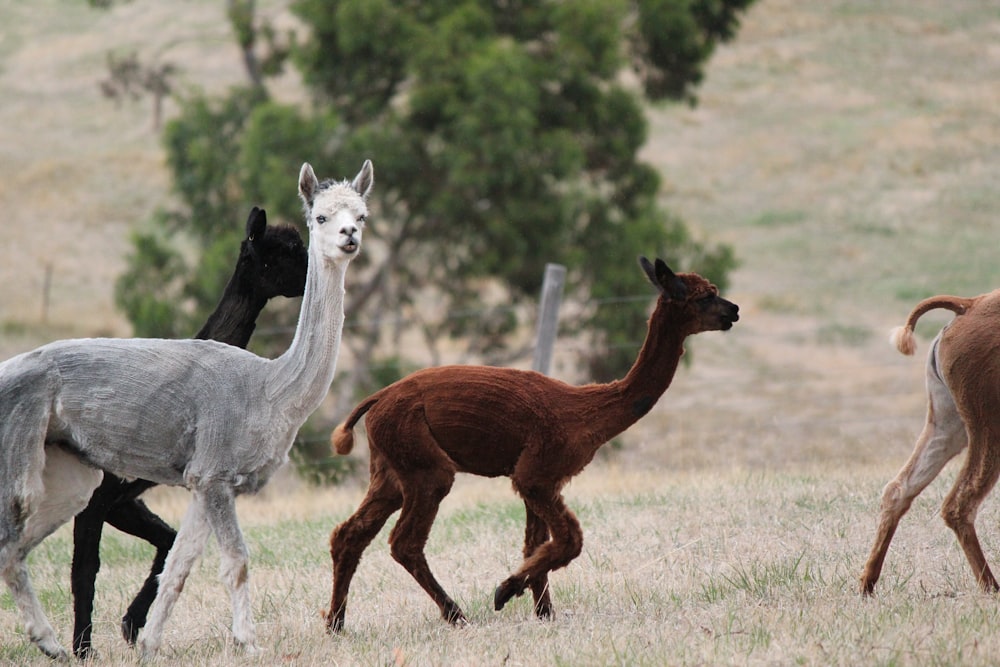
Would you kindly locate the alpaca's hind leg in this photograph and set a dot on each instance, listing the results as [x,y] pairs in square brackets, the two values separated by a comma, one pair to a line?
[941,440]
[133,517]
[565,544]
[234,561]
[959,511]
[423,491]
[68,484]
[536,533]
[14,548]
[188,546]
[350,539]
[35,622]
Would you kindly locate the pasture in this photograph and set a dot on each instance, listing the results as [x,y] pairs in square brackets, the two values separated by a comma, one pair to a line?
[847,150]
[710,567]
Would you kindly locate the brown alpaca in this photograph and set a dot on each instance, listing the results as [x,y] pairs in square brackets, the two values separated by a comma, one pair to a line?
[963,409]
[503,422]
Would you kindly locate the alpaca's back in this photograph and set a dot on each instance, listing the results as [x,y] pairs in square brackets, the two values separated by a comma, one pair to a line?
[483,417]
[123,404]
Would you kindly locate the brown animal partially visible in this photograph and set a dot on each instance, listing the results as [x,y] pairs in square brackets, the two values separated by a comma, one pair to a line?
[963,392]
[503,422]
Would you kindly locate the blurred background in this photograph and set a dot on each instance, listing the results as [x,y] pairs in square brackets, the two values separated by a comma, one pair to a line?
[826,163]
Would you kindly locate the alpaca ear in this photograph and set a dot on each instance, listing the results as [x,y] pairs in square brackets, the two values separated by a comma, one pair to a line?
[650,273]
[256,224]
[672,286]
[308,184]
[664,279]
[363,182]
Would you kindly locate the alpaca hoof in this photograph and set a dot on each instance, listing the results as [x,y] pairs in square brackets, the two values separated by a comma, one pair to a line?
[55,653]
[130,630]
[147,648]
[249,649]
[505,592]
[453,614]
[544,612]
[49,645]
[334,626]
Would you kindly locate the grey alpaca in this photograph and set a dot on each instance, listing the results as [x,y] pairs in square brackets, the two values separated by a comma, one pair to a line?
[200,414]
[272,262]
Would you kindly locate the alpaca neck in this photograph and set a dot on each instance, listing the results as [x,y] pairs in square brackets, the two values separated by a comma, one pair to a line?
[300,378]
[235,317]
[627,400]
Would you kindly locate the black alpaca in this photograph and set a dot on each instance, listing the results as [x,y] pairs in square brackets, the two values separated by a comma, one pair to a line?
[272,262]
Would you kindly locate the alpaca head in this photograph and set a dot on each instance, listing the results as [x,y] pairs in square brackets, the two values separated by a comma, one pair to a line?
[335,212]
[697,299]
[274,258]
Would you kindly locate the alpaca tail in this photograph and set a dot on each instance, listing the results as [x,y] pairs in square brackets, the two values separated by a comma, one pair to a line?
[902,337]
[342,438]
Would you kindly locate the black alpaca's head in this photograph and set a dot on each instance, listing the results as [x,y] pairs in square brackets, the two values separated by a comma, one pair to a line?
[274,257]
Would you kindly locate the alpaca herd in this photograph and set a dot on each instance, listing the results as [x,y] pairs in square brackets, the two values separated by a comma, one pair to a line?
[88,425]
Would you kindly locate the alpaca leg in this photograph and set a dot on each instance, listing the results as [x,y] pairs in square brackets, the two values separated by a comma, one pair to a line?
[35,622]
[15,574]
[423,492]
[234,568]
[68,484]
[87,528]
[565,545]
[132,516]
[350,539]
[14,549]
[188,546]
[536,533]
[942,438]
[959,511]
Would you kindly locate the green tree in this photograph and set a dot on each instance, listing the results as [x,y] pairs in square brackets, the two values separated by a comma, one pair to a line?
[505,135]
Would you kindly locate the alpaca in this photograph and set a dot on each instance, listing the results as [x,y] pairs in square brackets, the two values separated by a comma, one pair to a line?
[520,424]
[962,375]
[272,262]
[201,414]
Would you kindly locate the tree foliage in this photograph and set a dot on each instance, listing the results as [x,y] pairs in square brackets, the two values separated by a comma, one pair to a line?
[505,134]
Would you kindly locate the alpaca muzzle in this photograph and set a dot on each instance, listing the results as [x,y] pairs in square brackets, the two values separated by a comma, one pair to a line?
[350,246]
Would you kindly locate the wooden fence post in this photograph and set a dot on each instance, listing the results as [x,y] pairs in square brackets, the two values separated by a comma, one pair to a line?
[548,316]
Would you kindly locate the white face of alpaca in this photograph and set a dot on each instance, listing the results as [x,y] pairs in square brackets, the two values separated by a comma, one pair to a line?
[336,212]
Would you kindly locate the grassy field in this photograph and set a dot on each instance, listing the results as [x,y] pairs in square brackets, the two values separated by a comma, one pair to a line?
[848,151]
[734,567]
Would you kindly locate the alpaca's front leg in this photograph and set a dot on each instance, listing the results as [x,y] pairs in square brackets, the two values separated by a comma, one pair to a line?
[234,566]
[187,548]
[87,529]
[565,544]
[536,533]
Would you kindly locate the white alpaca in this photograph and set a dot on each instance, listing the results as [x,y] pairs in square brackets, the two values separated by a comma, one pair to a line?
[208,416]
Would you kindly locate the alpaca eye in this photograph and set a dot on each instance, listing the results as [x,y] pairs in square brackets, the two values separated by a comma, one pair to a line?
[362,219]
[321,219]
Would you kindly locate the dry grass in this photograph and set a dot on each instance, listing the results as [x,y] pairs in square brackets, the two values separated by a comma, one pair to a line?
[734,567]
[846,149]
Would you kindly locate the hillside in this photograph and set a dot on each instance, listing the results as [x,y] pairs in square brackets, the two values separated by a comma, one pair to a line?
[847,150]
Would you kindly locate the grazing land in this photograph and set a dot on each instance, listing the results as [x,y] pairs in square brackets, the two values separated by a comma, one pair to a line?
[847,150]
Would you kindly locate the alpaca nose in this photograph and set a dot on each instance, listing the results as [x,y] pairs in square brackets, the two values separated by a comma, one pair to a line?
[349,230]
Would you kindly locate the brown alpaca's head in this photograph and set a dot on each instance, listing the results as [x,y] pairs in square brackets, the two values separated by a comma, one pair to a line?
[699,303]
